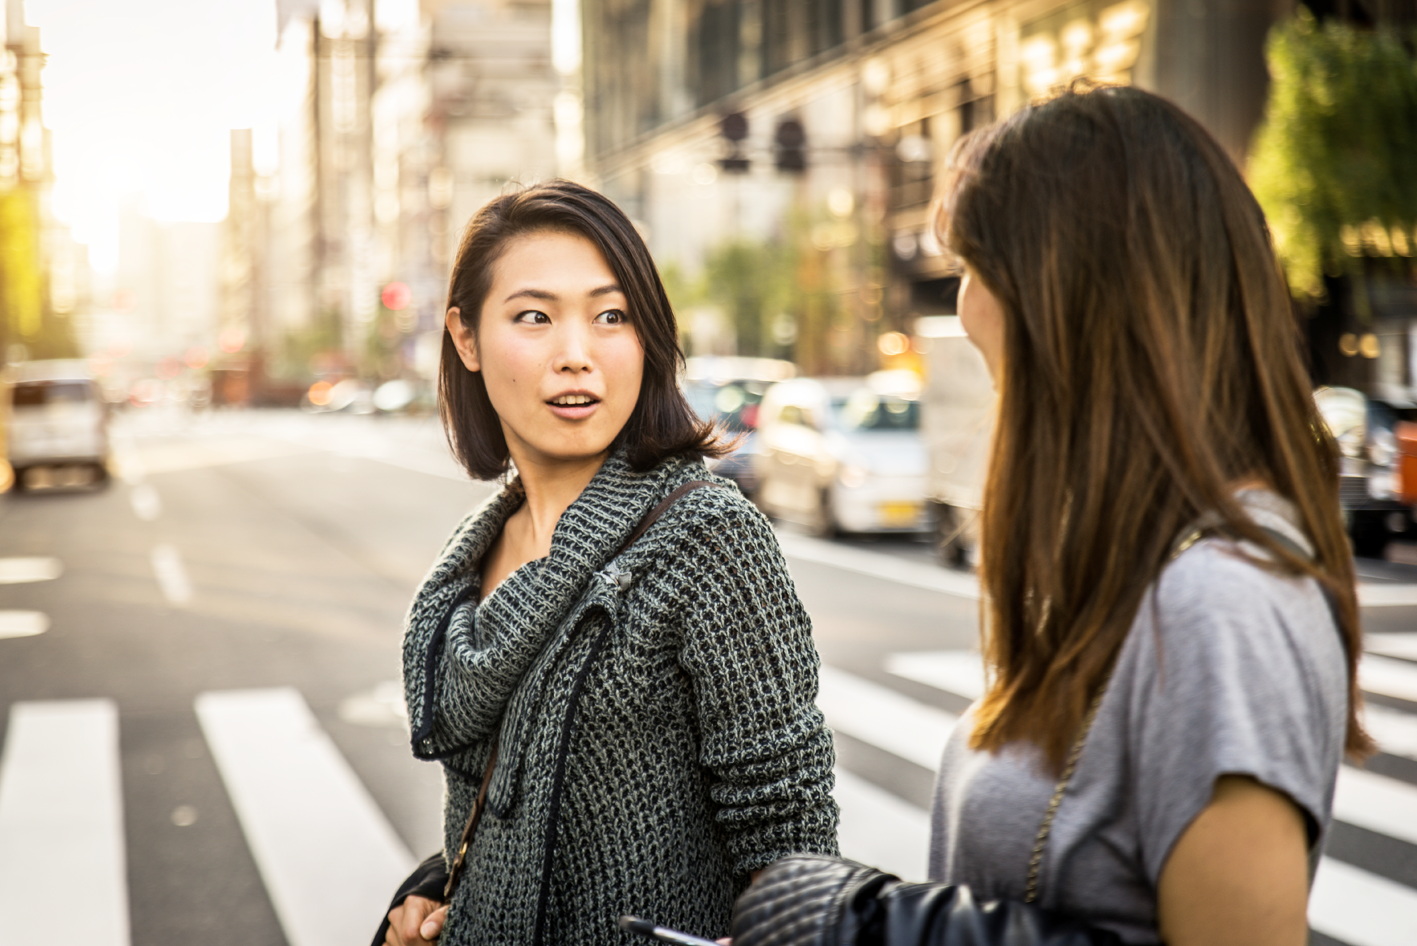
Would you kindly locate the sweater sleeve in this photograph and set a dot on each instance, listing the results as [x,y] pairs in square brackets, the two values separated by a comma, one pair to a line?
[748,650]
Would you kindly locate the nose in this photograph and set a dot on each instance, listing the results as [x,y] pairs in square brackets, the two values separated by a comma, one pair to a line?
[573,356]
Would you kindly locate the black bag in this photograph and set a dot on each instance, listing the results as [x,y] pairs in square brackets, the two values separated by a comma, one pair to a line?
[813,900]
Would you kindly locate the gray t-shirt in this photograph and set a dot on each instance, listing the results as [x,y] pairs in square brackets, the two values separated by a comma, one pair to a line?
[1227,669]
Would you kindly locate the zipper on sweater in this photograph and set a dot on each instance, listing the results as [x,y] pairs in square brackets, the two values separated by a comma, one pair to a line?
[558,778]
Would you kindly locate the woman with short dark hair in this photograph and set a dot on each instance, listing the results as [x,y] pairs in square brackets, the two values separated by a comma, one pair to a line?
[612,664]
[1170,626]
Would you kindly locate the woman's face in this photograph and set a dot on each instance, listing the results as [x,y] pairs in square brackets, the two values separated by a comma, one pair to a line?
[983,320]
[556,349]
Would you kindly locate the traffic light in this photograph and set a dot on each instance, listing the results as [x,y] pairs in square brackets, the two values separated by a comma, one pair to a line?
[790,146]
[733,128]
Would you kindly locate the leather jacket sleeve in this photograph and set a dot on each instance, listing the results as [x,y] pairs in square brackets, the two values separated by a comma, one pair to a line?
[809,900]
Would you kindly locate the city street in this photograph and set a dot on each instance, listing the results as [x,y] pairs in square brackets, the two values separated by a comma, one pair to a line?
[203,737]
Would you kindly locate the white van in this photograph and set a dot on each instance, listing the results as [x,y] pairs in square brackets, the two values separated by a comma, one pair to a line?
[54,416]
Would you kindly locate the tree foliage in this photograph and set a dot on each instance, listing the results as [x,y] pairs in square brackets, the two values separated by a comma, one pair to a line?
[21,288]
[1335,160]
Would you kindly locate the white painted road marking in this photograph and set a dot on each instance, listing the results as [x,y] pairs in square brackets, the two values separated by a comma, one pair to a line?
[146,503]
[16,571]
[882,717]
[1388,676]
[1362,909]
[23,623]
[960,672]
[1391,645]
[879,829]
[327,855]
[1385,805]
[1395,731]
[61,826]
[925,575]
[171,576]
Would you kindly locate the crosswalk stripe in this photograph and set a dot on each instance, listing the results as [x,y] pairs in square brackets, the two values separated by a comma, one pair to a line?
[23,623]
[171,575]
[1360,908]
[960,672]
[1395,731]
[61,826]
[882,717]
[326,853]
[1391,645]
[15,571]
[1389,677]
[1380,804]
[879,829]
[146,503]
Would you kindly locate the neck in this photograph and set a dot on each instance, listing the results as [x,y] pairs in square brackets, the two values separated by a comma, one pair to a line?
[550,488]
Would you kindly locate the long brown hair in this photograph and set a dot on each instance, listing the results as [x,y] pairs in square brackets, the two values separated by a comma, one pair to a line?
[662,423]
[1150,362]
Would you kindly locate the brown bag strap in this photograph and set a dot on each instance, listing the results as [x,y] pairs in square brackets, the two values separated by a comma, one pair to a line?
[480,804]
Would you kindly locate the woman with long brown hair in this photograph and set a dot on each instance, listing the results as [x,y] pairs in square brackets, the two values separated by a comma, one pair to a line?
[1169,621]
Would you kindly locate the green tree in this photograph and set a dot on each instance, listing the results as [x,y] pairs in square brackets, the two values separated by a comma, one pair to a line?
[1333,162]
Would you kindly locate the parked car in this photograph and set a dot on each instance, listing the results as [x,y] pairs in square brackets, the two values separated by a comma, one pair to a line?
[55,416]
[843,454]
[728,390]
[1377,503]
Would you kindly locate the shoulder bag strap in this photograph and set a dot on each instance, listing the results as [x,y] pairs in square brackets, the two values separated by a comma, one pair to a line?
[455,869]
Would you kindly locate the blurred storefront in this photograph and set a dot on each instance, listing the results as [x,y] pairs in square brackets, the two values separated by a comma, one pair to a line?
[825,124]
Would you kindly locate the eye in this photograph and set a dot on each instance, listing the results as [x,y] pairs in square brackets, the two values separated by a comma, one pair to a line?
[612,317]
[532,317]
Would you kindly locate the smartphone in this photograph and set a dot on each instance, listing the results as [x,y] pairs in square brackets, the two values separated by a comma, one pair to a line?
[664,934]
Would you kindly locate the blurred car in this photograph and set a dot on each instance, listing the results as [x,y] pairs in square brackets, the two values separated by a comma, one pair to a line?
[56,416]
[844,454]
[728,390]
[1376,502]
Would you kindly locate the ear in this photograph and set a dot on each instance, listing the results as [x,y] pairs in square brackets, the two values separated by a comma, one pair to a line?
[464,340]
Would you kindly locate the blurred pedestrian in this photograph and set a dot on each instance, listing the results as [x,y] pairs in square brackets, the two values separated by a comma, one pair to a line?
[1170,627]
[636,711]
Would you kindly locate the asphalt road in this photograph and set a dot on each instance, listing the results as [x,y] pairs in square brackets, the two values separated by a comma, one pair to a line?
[203,739]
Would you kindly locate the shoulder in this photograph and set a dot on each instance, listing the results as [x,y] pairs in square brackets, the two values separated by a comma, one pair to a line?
[1219,608]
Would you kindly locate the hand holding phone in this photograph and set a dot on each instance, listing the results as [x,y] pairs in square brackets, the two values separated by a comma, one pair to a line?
[664,934]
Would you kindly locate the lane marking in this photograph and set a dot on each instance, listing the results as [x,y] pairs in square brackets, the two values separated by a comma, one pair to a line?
[1388,676]
[1361,909]
[879,829]
[881,716]
[1394,730]
[874,564]
[1391,645]
[1376,802]
[146,503]
[960,672]
[23,623]
[61,816]
[325,851]
[15,571]
[171,575]
[1386,595]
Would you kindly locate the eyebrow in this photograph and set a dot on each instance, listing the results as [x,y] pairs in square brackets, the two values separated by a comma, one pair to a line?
[545,296]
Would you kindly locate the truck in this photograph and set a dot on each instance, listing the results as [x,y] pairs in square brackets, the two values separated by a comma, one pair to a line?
[957,423]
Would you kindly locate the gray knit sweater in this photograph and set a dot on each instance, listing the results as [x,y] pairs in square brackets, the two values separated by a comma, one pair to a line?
[658,732]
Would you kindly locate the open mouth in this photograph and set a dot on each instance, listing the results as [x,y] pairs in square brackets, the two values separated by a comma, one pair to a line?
[573,400]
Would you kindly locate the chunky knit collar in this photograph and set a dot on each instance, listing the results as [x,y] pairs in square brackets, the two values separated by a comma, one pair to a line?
[508,643]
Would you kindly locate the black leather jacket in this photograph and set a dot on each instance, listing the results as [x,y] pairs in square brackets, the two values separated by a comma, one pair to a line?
[809,900]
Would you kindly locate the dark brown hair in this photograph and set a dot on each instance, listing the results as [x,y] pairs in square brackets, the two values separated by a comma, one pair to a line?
[1151,362]
[662,424]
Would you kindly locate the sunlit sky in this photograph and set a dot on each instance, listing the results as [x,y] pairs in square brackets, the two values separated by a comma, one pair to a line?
[141,96]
